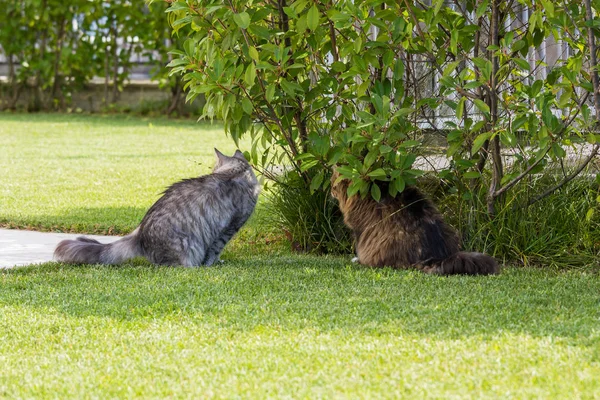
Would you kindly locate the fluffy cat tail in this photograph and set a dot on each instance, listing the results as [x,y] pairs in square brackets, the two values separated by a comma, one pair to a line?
[464,263]
[90,251]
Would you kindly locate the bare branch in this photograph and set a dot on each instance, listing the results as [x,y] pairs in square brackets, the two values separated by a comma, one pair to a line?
[569,178]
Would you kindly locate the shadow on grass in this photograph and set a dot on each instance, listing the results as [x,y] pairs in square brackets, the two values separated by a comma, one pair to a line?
[90,220]
[118,221]
[327,294]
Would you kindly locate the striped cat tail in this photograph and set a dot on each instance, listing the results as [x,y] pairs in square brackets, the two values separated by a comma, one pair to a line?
[464,263]
[90,251]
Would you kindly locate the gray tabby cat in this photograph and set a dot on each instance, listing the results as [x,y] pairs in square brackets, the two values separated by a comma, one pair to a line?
[189,225]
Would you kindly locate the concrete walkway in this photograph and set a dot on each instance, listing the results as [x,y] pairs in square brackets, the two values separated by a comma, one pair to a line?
[30,247]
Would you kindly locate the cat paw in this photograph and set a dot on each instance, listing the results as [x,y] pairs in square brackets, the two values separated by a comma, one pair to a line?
[354,260]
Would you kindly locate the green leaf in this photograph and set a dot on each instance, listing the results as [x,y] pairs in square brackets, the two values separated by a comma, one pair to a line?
[308,165]
[338,66]
[460,108]
[253,53]
[177,62]
[536,87]
[407,161]
[261,31]
[399,69]
[190,47]
[358,45]
[454,42]
[485,67]
[480,104]
[472,85]
[312,18]
[375,192]
[354,187]
[316,182]
[518,122]
[270,92]
[403,112]
[451,68]
[472,175]
[548,8]
[242,19]
[399,184]
[558,150]
[565,98]
[508,138]
[290,12]
[524,64]
[319,143]
[409,143]
[482,8]
[378,174]
[377,102]
[250,75]
[177,6]
[548,117]
[384,149]
[447,81]
[305,156]
[370,158]
[179,23]
[479,141]
[290,87]
[247,105]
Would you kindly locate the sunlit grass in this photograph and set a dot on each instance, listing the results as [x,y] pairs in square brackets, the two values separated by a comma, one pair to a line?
[296,326]
[267,323]
[96,173]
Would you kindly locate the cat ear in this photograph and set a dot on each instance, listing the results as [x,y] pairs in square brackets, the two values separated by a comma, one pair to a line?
[334,175]
[238,154]
[220,155]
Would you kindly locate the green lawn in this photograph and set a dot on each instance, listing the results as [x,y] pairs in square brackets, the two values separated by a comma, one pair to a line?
[267,323]
[96,174]
[296,326]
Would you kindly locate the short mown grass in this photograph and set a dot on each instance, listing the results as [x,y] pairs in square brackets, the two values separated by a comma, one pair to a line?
[296,327]
[95,174]
[100,173]
[267,323]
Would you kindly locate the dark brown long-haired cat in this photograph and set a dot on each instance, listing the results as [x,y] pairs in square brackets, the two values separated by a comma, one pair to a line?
[406,231]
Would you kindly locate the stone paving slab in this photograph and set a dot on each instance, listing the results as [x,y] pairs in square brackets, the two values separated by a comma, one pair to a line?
[29,247]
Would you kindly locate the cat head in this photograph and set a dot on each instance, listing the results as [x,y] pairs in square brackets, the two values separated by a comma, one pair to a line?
[234,165]
[339,188]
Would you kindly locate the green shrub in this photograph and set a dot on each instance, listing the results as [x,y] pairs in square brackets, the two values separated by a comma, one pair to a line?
[351,83]
[562,229]
[312,222]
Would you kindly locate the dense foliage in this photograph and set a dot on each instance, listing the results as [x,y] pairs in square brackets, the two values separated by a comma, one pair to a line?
[357,83]
[55,47]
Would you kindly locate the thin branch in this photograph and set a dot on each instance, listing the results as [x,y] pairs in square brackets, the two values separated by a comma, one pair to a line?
[569,178]
[516,180]
[523,174]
